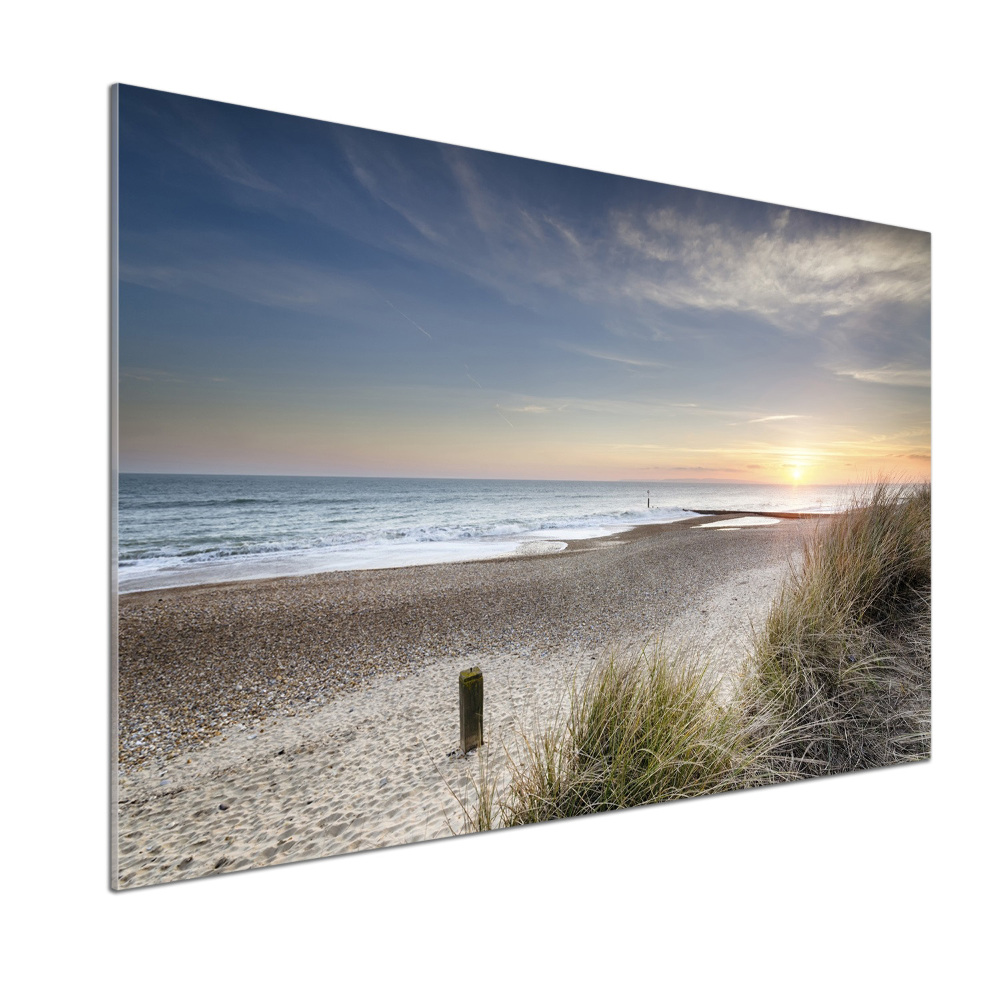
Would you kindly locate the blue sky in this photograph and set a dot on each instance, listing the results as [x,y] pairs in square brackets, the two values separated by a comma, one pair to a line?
[302,297]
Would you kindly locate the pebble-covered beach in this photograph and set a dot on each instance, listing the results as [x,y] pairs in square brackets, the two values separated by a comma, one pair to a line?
[265,721]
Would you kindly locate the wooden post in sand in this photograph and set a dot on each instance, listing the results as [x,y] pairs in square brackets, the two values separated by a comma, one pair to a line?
[470,709]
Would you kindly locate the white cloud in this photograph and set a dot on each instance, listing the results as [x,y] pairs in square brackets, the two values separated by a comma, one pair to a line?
[791,278]
[606,356]
[638,270]
[914,377]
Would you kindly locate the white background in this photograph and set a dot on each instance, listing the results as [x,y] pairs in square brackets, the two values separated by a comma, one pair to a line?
[879,884]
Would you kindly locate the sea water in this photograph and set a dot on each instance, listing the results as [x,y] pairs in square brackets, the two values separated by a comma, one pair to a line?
[177,530]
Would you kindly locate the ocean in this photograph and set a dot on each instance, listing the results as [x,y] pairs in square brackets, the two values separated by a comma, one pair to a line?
[177,530]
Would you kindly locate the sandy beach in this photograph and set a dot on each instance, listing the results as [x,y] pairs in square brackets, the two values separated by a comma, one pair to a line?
[271,721]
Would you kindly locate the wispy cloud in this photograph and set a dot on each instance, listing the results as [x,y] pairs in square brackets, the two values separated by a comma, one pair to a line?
[791,275]
[783,269]
[228,162]
[777,416]
[608,356]
[462,213]
[210,142]
[691,468]
[150,375]
[366,177]
[791,269]
[280,283]
[158,375]
[915,377]
[489,217]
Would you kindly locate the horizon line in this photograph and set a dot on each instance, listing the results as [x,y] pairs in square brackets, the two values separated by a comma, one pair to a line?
[516,479]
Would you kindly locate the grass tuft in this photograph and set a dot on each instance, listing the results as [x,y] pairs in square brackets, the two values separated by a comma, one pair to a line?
[845,652]
[642,729]
[837,679]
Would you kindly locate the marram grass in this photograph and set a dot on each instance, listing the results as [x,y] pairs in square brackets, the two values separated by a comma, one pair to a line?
[644,729]
[837,679]
[845,651]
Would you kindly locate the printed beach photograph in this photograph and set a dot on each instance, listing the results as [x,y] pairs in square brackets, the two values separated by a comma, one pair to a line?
[456,491]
